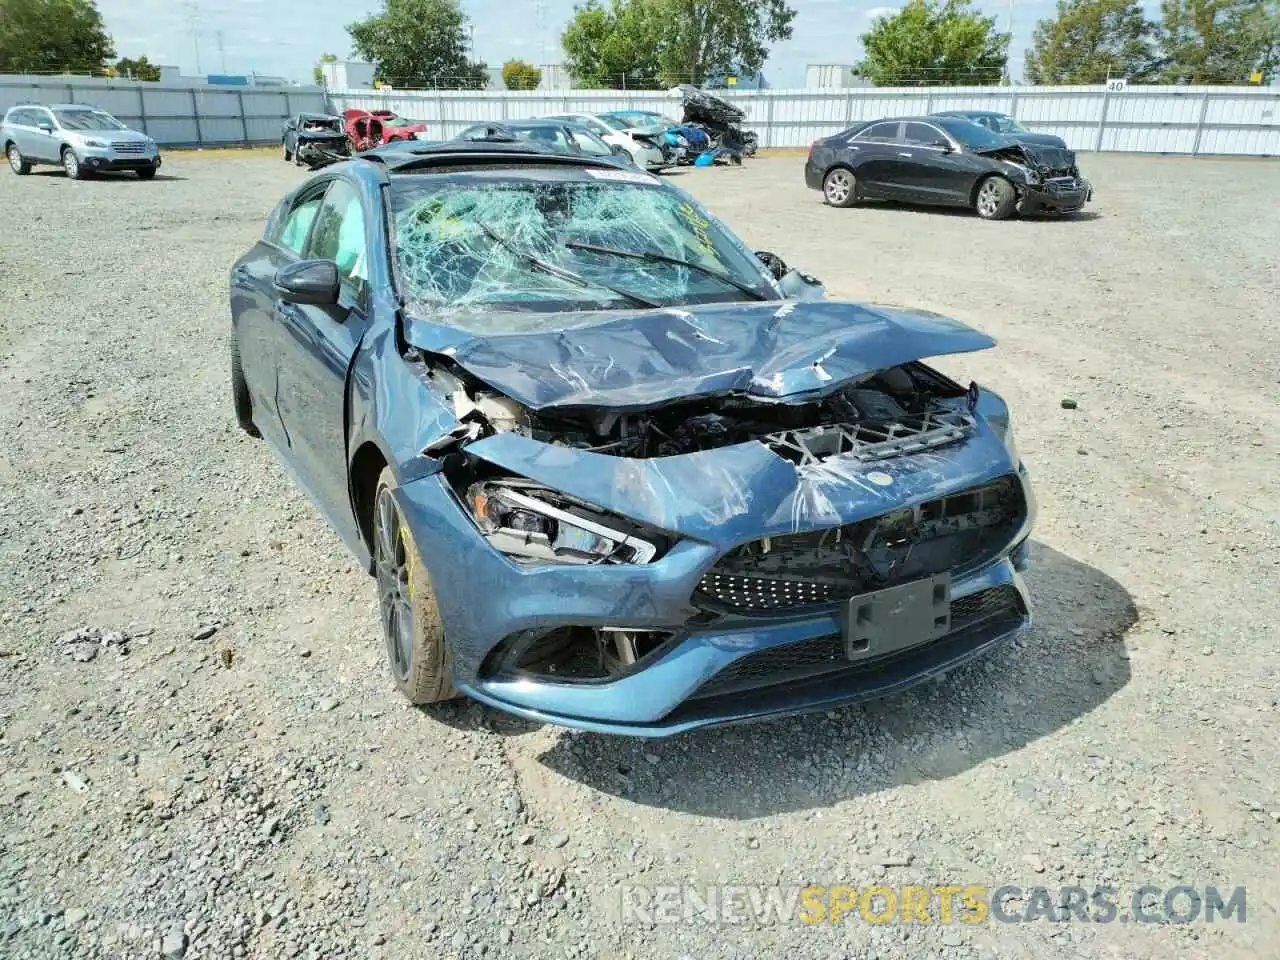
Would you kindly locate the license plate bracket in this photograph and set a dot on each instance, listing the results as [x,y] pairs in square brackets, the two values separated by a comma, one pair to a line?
[895,618]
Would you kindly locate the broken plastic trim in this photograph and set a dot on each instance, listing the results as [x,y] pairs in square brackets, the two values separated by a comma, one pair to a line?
[867,440]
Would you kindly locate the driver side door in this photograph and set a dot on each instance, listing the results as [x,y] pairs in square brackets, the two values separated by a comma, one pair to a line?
[316,345]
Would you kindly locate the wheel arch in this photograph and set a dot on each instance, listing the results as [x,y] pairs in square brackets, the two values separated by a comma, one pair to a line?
[367,463]
[983,178]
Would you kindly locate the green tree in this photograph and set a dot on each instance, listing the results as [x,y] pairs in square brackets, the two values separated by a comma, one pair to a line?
[418,43]
[1090,40]
[139,69]
[934,43]
[48,36]
[1217,41]
[518,75]
[612,46]
[719,36]
[649,42]
[317,72]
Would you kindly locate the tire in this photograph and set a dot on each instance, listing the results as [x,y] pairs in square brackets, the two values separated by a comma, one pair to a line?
[840,187]
[995,198]
[72,165]
[240,393]
[288,157]
[17,163]
[411,626]
[146,173]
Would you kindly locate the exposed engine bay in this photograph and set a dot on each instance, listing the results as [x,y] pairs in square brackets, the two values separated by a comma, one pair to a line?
[1043,162]
[888,413]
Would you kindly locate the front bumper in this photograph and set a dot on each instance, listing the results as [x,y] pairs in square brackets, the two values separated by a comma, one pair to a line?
[1060,196]
[105,158]
[670,694]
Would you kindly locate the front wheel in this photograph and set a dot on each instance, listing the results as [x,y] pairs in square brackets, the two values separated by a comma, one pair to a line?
[288,157]
[996,199]
[146,173]
[411,623]
[840,188]
[17,163]
[240,399]
[71,164]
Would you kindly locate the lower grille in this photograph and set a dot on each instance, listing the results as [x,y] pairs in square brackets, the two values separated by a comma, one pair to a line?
[823,655]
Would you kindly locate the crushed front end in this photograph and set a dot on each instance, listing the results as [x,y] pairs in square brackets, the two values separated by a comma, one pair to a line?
[715,559]
[1048,181]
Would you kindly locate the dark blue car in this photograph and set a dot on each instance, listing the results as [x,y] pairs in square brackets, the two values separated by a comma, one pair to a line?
[609,468]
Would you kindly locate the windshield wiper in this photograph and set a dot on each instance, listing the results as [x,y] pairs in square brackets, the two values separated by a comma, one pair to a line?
[663,258]
[560,272]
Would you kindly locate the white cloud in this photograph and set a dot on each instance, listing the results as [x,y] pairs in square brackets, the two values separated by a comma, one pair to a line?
[876,12]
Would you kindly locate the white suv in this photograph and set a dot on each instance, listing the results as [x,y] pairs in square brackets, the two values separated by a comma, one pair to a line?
[83,140]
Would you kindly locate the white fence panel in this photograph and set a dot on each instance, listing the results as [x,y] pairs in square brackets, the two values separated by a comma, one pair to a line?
[1146,119]
[1241,121]
[174,115]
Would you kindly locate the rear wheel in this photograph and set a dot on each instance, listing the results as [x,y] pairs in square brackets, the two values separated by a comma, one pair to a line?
[996,198]
[411,624]
[71,164]
[840,188]
[17,163]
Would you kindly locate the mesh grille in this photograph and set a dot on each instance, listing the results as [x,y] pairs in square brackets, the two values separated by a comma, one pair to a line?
[827,566]
[822,655]
[767,593]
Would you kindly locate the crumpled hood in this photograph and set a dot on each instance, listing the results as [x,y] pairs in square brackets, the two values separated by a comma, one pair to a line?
[1039,139]
[1043,157]
[633,359]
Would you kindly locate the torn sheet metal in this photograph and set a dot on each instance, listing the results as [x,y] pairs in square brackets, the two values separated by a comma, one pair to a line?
[769,350]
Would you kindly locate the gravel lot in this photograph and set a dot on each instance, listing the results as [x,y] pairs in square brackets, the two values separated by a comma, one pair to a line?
[217,765]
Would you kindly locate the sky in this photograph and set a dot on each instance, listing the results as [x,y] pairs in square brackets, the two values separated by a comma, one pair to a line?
[287,37]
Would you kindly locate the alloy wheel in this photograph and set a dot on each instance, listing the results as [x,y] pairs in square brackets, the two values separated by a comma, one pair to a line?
[15,160]
[989,198]
[391,563]
[70,163]
[838,186]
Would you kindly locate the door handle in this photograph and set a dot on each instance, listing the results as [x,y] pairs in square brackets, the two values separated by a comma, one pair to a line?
[904,153]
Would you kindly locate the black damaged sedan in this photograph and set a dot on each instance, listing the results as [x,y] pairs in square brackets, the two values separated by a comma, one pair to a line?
[946,161]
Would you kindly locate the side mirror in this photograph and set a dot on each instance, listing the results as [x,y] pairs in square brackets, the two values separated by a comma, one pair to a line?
[617,150]
[942,145]
[45,125]
[314,282]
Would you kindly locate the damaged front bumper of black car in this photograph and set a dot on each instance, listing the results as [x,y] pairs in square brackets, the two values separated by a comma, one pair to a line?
[1054,195]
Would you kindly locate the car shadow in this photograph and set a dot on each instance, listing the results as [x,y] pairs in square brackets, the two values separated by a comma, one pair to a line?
[105,177]
[1070,662]
[939,211]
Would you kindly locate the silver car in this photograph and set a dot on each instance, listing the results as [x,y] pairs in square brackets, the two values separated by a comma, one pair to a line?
[83,140]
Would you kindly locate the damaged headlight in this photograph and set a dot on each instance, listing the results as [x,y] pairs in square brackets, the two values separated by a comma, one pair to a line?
[533,524]
[1030,176]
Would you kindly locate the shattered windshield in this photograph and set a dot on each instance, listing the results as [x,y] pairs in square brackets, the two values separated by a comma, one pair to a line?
[507,240]
[87,120]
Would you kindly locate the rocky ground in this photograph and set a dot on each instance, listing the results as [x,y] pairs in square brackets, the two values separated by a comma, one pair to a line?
[202,754]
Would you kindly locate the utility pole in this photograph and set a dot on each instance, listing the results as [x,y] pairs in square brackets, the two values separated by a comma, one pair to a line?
[193,25]
[222,53]
[1007,72]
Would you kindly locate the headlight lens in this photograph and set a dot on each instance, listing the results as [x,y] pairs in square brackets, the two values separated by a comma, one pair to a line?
[94,143]
[533,524]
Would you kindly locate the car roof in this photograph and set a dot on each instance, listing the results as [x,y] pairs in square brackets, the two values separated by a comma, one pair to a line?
[969,113]
[65,106]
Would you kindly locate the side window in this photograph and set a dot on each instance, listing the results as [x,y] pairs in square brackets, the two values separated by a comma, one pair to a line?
[339,231]
[879,132]
[298,224]
[922,133]
[587,144]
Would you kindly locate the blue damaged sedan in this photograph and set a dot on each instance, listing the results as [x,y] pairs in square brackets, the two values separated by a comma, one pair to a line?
[609,468]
